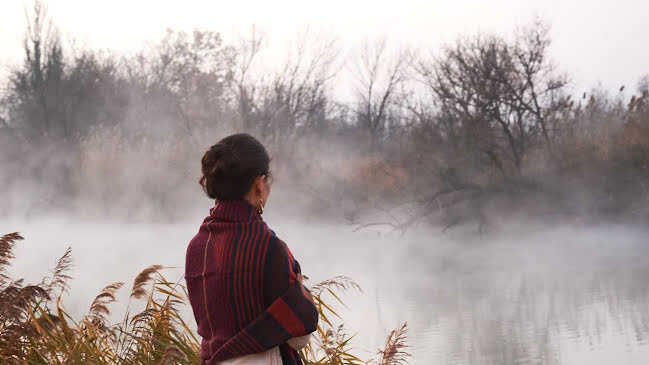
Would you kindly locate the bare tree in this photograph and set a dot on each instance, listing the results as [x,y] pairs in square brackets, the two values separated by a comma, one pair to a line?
[243,86]
[34,87]
[293,100]
[180,84]
[499,94]
[380,76]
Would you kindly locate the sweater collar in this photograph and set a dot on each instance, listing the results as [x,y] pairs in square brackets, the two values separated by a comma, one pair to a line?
[235,211]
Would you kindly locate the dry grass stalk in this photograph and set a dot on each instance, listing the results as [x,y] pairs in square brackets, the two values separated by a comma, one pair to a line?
[338,283]
[60,277]
[394,352]
[142,280]
[172,355]
[99,311]
[7,243]
[16,301]
[15,297]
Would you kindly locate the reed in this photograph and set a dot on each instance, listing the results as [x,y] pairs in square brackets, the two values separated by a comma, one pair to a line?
[35,327]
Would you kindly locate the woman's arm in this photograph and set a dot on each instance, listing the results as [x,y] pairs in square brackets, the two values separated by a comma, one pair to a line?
[290,312]
[298,343]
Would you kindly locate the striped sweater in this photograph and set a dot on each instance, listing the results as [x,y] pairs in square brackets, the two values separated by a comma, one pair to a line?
[243,287]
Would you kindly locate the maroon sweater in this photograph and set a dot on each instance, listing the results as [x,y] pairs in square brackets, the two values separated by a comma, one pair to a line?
[243,287]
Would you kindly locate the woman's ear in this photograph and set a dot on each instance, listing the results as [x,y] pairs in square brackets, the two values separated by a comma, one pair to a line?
[259,185]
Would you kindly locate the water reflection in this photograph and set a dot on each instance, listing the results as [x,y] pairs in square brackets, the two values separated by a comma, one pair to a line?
[555,299]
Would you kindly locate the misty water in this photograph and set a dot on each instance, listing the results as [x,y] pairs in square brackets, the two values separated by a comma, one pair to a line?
[526,293]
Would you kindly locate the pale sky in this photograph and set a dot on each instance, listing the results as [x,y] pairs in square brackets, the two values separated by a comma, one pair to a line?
[594,40]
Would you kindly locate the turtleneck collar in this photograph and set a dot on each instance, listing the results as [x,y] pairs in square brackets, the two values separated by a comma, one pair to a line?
[235,211]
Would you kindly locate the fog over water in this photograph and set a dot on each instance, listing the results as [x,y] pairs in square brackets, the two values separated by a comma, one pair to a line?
[529,293]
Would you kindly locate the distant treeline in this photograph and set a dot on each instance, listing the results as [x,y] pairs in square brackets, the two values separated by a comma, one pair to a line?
[484,126]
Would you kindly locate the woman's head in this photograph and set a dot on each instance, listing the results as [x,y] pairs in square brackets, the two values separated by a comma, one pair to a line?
[236,168]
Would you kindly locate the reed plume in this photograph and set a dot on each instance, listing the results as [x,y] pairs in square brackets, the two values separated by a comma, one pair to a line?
[16,299]
[394,352]
[7,243]
[142,280]
[60,277]
[338,283]
[98,313]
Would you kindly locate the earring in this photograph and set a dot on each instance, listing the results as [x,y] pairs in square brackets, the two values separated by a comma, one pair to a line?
[261,204]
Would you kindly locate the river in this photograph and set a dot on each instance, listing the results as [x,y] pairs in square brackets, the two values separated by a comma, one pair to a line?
[530,293]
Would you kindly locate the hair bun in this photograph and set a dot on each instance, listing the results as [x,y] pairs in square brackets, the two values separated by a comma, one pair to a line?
[224,164]
[230,166]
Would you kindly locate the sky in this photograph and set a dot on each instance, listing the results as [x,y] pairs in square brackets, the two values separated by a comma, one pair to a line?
[594,41]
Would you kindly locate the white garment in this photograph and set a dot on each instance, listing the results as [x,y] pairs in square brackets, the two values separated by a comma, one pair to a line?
[270,357]
[298,343]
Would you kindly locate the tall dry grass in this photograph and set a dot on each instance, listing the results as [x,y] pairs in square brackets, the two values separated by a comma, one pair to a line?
[35,327]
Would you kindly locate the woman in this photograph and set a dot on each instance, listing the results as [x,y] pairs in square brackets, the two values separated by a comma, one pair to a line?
[244,285]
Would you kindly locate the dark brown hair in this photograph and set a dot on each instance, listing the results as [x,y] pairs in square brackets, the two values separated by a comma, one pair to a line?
[231,166]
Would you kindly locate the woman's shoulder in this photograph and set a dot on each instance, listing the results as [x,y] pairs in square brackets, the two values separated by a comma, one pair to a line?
[263,228]
[256,231]
[273,240]
[270,236]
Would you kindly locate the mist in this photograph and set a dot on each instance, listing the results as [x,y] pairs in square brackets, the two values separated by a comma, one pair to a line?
[565,294]
[467,189]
